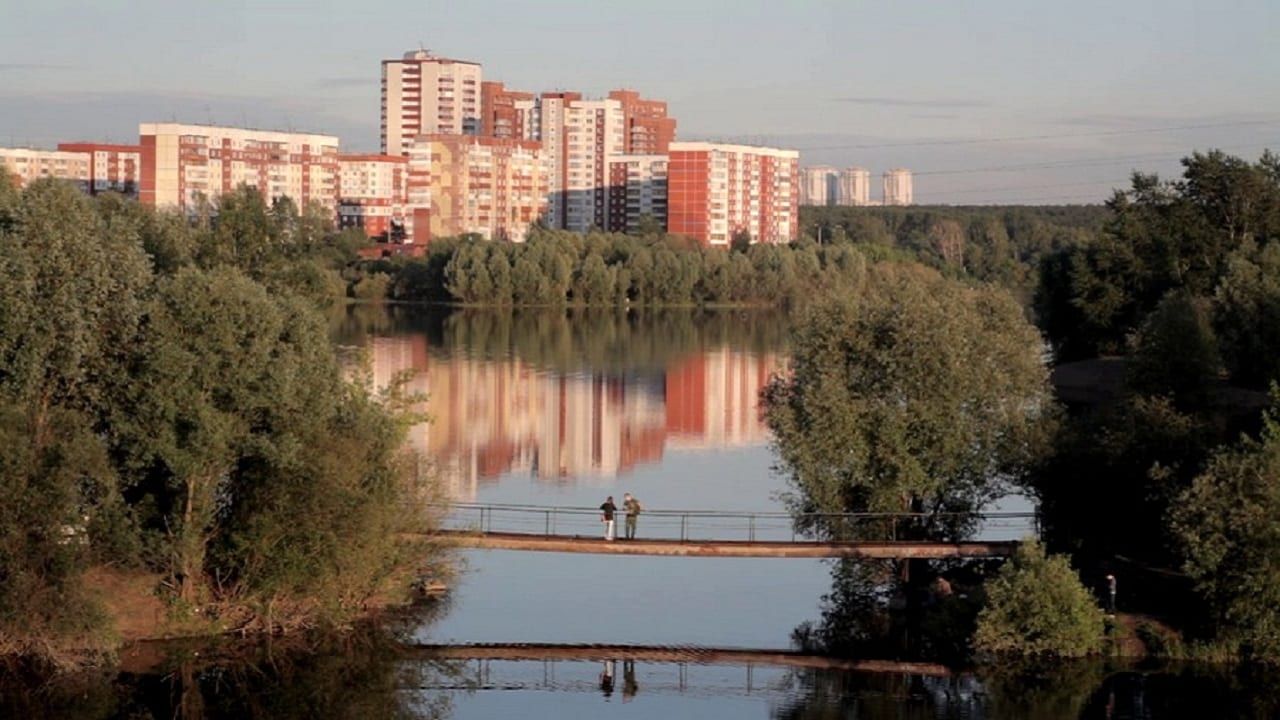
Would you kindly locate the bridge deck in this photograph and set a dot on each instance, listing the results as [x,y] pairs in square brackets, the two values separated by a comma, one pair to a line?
[726,548]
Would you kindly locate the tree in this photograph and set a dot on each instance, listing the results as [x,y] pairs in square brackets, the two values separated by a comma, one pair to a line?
[1226,525]
[1176,352]
[1247,315]
[1036,606]
[918,394]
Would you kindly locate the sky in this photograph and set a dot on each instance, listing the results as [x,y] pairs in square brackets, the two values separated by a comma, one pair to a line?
[1018,101]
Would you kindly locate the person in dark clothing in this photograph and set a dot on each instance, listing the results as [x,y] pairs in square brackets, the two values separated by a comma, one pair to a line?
[607,509]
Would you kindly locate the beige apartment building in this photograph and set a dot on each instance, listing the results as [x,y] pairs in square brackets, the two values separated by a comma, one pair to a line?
[29,165]
[897,187]
[423,94]
[854,187]
[183,163]
[466,184]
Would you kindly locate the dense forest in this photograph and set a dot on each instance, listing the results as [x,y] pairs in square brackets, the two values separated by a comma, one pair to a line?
[174,420]
[928,394]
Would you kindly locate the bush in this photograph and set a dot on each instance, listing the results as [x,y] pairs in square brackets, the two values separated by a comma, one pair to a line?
[1036,606]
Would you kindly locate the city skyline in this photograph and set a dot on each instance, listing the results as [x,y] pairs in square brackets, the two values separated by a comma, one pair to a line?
[975,121]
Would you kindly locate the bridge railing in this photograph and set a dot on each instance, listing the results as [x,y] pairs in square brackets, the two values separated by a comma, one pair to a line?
[707,525]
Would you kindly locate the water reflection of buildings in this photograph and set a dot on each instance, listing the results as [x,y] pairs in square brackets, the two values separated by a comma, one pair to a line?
[493,417]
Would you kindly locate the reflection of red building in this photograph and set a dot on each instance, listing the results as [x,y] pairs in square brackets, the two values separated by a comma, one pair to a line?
[713,399]
[490,418]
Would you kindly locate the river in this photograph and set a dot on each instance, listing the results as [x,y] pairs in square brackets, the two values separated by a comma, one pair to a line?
[564,409]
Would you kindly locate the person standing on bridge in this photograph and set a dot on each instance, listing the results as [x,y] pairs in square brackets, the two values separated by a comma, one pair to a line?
[631,507]
[607,509]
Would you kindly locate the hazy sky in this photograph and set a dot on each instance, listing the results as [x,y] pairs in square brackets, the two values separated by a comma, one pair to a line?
[1002,100]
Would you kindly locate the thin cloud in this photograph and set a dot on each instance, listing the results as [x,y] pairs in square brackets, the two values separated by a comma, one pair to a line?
[338,83]
[19,67]
[914,102]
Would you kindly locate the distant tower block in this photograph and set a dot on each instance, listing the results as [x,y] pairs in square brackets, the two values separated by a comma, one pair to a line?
[897,187]
[817,185]
[854,187]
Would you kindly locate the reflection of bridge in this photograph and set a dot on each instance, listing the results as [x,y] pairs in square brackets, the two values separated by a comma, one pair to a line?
[728,534]
[686,654]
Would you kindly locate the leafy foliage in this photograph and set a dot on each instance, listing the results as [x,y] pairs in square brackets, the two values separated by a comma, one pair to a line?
[1036,606]
[172,401]
[917,394]
[1226,522]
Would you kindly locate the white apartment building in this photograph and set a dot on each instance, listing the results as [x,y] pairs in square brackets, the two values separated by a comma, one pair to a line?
[423,95]
[897,187]
[854,187]
[817,185]
[372,193]
[637,187]
[579,136]
[30,165]
[181,163]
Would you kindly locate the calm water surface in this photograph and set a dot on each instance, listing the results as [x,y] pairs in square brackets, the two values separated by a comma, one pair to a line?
[562,409]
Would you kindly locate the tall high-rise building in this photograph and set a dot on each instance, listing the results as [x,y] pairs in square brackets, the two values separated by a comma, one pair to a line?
[424,94]
[716,191]
[508,113]
[897,187]
[464,184]
[854,187]
[579,136]
[183,162]
[372,194]
[113,168]
[637,189]
[648,129]
[817,185]
[28,165]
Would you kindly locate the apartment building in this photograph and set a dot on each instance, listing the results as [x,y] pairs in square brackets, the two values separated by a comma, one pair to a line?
[423,94]
[637,189]
[897,187]
[854,187]
[29,165]
[579,136]
[648,130]
[715,191]
[112,168]
[460,184]
[508,113]
[373,195]
[183,163]
[817,185]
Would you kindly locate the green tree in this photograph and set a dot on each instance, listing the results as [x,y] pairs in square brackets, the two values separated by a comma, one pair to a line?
[1176,352]
[1036,606]
[919,394]
[1226,525]
[1247,315]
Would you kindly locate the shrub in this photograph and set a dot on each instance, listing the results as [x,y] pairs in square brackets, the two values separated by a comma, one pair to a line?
[1036,606]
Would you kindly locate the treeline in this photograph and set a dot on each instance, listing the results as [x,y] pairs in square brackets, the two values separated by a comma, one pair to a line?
[931,396]
[1175,484]
[171,408]
[558,267]
[1002,245]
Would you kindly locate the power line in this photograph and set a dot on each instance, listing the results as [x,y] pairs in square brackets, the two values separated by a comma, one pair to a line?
[1045,136]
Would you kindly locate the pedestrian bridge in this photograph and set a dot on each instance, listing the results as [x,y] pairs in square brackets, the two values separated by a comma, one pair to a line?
[706,533]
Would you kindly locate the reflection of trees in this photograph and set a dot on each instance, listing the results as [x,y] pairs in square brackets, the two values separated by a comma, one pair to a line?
[364,676]
[832,694]
[572,339]
[918,610]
